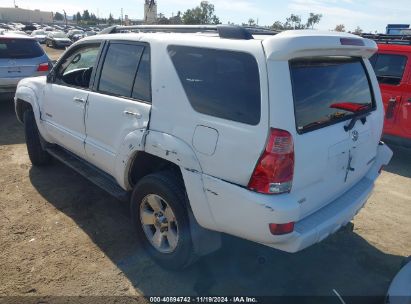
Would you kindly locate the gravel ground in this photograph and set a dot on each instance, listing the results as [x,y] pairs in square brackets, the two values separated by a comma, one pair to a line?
[62,236]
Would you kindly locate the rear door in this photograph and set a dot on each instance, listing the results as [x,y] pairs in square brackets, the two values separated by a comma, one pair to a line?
[120,102]
[391,71]
[332,153]
[406,104]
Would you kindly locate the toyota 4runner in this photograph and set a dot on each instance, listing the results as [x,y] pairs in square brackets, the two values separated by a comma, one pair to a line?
[213,129]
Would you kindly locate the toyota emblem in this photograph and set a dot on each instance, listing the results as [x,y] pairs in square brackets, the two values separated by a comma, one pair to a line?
[354,135]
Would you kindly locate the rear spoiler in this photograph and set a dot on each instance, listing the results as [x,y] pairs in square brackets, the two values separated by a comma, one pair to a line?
[305,43]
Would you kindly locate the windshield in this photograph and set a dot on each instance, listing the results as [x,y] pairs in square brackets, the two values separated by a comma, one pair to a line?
[59,35]
[39,33]
[20,48]
[328,90]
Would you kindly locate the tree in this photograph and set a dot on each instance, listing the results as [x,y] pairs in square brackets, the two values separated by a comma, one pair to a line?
[86,15]
[58,16]
[340,28]
[278,26]
[358,31]
[110,19]
[294,22]
[162,19]
[78,17]
[313,20]
[251,22]
[176,19]
[203,14]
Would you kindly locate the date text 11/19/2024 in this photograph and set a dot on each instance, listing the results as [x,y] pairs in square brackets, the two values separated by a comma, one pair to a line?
[203,300]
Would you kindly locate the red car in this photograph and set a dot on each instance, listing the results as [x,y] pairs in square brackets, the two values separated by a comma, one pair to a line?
[392,65]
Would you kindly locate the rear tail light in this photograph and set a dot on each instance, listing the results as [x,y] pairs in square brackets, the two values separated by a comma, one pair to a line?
[43,67]
[275,168]
[280,229]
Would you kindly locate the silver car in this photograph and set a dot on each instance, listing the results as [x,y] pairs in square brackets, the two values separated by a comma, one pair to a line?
[20,57]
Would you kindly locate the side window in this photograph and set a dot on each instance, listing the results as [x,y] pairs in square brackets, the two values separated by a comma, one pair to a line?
[389,68]
[220,83]
[76,69]
[142,84]
[120,69]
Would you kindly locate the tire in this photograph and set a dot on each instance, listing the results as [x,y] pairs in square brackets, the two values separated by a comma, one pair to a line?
[37,155]
[167,189]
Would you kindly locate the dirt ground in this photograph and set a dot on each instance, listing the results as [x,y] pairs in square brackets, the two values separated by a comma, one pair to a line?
[62,236]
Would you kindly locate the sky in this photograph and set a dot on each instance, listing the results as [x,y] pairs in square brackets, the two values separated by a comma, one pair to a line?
[370,15]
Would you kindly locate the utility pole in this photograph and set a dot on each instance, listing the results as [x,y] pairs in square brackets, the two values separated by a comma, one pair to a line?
[121,16]
[65,17]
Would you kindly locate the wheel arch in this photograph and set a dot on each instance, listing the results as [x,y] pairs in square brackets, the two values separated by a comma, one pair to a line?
[164,151]
[26,98]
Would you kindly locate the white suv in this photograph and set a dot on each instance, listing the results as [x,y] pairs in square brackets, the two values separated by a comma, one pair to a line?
[271,138]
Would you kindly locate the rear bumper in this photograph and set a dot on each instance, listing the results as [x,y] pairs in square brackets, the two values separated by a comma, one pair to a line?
[246,214]
[8,85]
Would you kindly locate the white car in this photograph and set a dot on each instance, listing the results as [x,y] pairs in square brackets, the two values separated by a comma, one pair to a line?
[39,35]
[210,129]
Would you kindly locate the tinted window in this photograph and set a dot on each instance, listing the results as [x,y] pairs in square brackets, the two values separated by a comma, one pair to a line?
[76,69]
[120,68]
[327,90]
[142,88]
[389,68]
[220,83]
[20,48]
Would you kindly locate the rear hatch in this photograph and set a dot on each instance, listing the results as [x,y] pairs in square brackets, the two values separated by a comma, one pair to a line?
[20,57]
[336,119]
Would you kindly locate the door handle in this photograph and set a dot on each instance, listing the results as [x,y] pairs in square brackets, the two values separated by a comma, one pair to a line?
[135,114]
[390,108]
[79,100]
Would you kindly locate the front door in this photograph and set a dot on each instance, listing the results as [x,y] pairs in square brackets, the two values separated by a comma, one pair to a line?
[65,97]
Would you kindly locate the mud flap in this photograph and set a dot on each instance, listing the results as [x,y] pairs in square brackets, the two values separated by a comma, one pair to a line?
[204,241]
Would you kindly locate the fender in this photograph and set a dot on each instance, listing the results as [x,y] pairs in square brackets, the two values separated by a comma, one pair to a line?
[28,95]
[132,144]
[180,153]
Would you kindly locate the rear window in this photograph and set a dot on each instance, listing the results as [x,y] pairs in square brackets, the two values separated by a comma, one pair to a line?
[389,68]
[20,48]
[328,90]
[219,83]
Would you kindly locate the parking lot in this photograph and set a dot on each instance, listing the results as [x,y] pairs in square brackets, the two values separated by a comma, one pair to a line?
[61,235]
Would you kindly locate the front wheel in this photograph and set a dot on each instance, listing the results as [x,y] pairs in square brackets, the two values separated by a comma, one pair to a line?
[160,215]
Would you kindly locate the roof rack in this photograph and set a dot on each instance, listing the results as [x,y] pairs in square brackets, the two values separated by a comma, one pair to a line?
[389,39]
[224,31]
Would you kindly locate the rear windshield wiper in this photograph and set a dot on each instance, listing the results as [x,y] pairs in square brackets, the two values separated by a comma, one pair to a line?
[353,121]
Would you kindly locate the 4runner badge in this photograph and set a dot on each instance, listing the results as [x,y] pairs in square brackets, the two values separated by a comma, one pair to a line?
[355,135]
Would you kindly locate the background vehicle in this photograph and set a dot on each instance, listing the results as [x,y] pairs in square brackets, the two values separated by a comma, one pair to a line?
[158,120]
[392,65]
[58,40]
[39,35]
[20,57]
[75,35]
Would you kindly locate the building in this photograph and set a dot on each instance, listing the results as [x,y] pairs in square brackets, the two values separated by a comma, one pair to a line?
[11,14]
[150,11]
